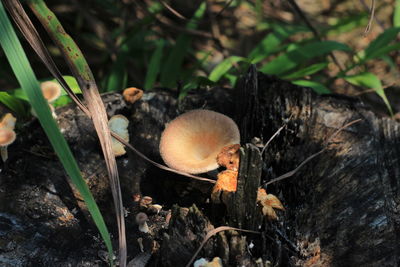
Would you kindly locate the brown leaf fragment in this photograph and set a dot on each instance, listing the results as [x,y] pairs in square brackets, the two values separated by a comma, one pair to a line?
[268,202]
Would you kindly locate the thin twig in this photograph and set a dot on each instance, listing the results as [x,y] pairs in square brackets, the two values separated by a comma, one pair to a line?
[313,29]
[371,19]
[291,173]
[272,138]
[173,11]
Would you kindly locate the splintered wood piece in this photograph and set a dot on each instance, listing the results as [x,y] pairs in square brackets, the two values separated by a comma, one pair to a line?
[242,210]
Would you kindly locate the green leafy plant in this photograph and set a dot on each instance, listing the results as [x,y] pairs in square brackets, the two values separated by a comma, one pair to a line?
[303,62]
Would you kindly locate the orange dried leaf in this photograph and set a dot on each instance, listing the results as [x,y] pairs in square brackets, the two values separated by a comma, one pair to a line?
[269,212]
[268,202]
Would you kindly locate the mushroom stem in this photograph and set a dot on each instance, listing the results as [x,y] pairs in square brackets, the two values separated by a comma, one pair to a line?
[144,228]
[4,153]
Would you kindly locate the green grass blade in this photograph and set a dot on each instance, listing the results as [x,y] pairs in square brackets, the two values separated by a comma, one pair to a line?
[13,103]
[316,86]
[371,81]
[306,71]
[173,66]
[222,68]
[76,61]
[154,66]
[379,45]
[118,78]
[25,76]
[293,58]
[272,43]
[396,14]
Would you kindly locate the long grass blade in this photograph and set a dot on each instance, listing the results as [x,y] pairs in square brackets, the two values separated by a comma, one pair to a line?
[25,76]
[81,71]
[28,30]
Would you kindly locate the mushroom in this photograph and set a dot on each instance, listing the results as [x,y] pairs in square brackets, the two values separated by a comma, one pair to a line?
[141,220]
[8,121]
[118,124]
[51,92]
[202,262]
[7,137]
[132,94]
[7,134]
[145,201]
[192,141]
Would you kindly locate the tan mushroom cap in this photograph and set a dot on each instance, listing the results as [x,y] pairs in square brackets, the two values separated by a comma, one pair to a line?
[8,121]
[7,136]
[132,94]
[192,141]
[119,124]
[51,90]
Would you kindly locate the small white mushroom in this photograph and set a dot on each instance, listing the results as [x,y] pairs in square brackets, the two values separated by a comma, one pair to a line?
[140,242]
[7,134]
[216,262]
[7,137]
[118,124]
[141,220]
[8,121]
[192,141]
[155,208]
[51,92]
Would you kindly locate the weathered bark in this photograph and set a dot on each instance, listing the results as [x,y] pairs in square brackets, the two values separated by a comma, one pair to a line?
[242,211]
[348,197]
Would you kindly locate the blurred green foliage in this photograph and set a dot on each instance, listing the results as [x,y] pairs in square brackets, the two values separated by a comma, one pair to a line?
[144,44]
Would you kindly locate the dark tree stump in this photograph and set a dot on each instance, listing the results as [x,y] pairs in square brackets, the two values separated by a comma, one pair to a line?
[347,199]
[342,208]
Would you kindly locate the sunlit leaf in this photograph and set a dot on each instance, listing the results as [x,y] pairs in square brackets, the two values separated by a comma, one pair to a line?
[290,60]
[370,81]
[222,68]
[12,103]
[271,43]
[306,71]
[316,86]
[396,14]
[346,24]
[380,45]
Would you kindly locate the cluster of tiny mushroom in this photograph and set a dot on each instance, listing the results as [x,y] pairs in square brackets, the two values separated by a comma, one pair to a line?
[7,134]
